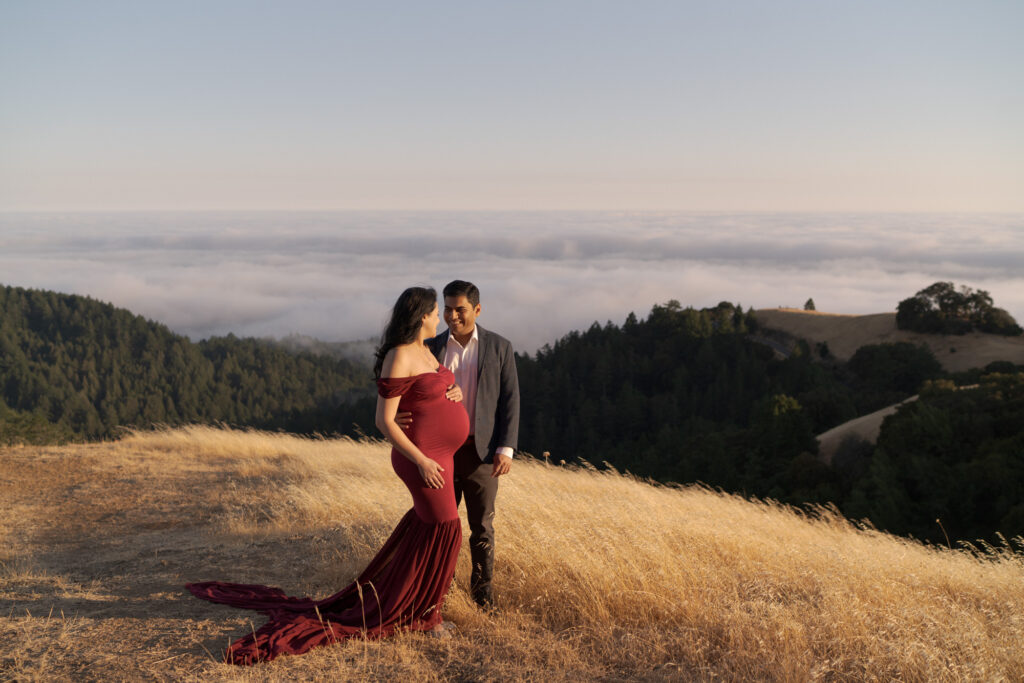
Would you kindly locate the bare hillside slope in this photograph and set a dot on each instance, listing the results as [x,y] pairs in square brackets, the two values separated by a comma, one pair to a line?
[600,576]
[844,334]
[865,427]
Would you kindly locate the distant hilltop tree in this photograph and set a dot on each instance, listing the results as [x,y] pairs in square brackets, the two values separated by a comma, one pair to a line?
[809,306]
[943,309]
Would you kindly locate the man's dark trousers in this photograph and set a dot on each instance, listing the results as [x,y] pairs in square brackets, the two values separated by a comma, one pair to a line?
[473,481]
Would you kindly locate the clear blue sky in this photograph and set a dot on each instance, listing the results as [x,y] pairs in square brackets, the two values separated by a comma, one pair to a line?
[776,105]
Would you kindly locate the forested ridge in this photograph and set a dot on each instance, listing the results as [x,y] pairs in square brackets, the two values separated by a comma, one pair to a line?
[683,395]
[73,367]
[689,395]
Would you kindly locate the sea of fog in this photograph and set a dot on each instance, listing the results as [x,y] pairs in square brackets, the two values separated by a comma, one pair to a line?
[334,275]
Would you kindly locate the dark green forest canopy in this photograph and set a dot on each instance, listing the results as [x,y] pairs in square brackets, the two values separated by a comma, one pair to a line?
[683,395]
[955,457]
[88,368]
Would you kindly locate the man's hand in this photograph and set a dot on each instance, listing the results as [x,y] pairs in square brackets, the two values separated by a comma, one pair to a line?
[502,464]
[454,394]
[403,419]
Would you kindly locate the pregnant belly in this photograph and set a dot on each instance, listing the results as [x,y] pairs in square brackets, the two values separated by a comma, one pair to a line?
[440,427]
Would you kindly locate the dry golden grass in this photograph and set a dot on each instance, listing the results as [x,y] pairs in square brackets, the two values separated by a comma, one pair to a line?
[599,576]
[844,334]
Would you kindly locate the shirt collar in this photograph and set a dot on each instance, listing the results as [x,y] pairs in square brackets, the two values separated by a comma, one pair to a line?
[474,337]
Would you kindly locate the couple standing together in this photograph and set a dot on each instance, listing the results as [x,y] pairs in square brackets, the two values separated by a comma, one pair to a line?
[449,405]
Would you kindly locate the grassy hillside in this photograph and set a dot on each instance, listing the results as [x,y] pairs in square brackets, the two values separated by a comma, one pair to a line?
[844,334]
[600,576]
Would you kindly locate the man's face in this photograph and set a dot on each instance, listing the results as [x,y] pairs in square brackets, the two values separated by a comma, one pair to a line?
[460,315]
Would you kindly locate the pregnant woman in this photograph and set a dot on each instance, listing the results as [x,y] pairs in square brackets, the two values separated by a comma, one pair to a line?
[405,585]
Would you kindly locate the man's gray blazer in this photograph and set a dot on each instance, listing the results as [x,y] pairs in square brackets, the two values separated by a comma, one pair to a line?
[497,391]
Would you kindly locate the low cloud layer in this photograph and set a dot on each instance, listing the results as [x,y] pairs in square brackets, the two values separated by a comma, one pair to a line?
[334,275]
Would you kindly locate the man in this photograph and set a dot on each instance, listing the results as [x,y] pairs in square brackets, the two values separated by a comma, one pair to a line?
[485,369]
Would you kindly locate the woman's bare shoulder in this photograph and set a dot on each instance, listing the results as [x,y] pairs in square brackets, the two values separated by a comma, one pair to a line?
[398,362]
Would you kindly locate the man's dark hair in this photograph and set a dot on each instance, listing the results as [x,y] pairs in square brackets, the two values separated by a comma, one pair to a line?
[463,288]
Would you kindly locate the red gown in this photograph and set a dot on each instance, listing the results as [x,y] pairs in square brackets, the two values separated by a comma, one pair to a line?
[405,585]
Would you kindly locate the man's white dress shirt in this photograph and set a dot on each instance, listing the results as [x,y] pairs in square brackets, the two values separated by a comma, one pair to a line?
[464,363]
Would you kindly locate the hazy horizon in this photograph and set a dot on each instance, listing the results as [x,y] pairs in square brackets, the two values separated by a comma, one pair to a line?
[334,275]
[578,159]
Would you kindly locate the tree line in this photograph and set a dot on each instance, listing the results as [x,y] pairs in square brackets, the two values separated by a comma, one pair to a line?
[73,367]
[683,395]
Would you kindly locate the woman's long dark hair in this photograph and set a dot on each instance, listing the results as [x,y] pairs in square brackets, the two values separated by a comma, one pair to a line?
[406,317]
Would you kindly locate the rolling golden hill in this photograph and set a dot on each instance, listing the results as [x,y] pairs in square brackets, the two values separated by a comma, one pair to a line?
[844,334]
[600,576]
